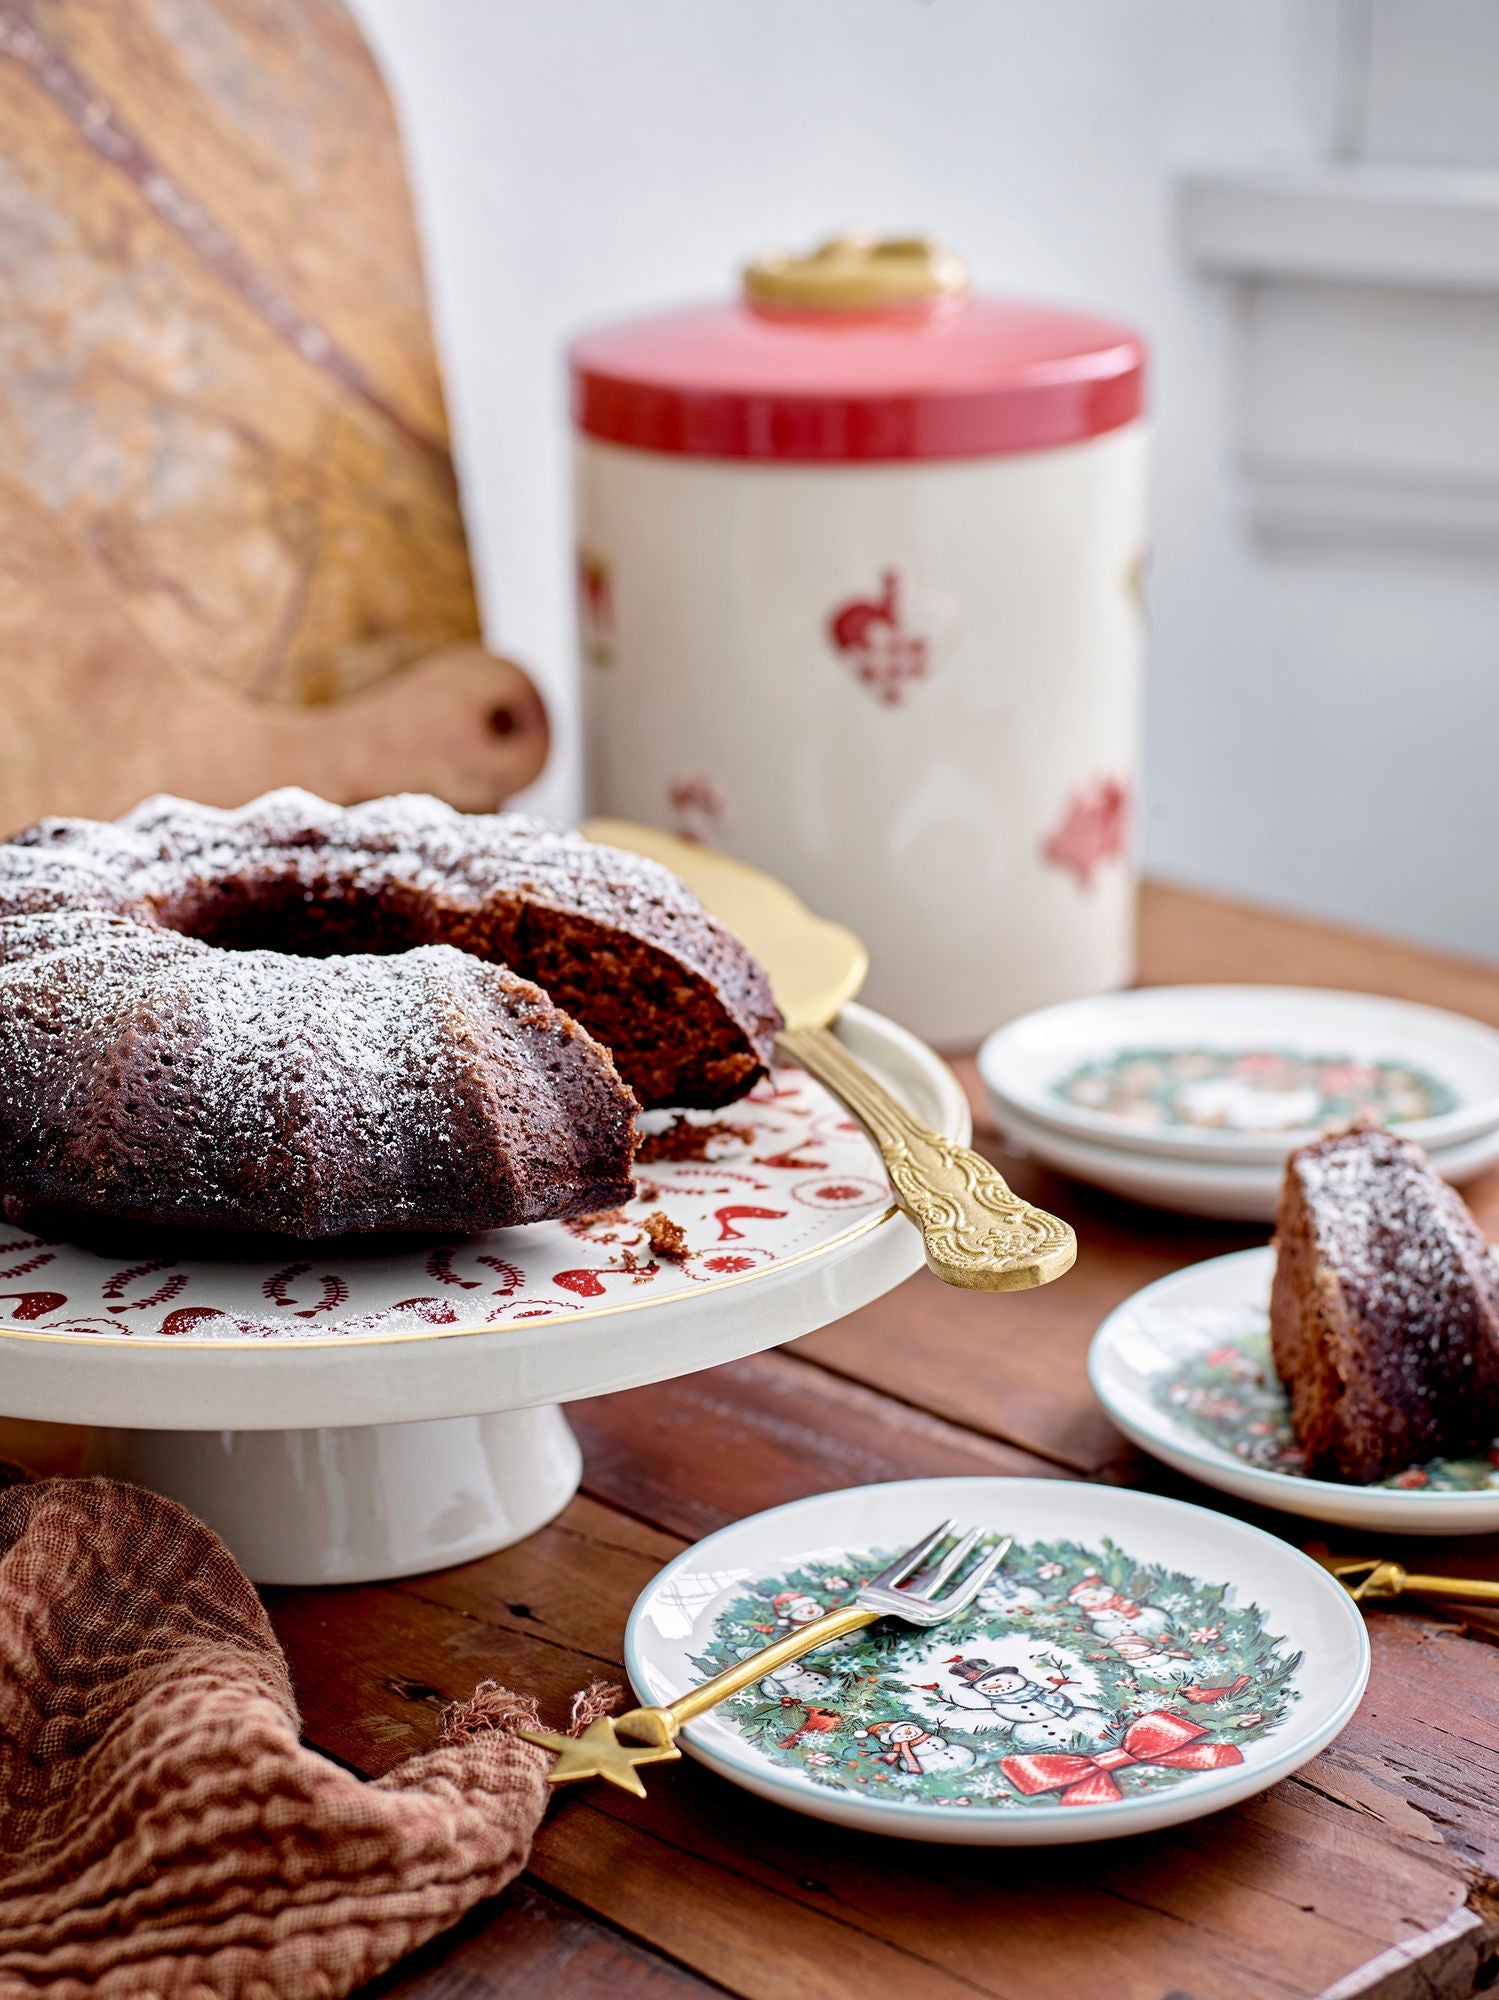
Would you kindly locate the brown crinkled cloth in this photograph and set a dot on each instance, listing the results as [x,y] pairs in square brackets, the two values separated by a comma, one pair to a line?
[163,1833]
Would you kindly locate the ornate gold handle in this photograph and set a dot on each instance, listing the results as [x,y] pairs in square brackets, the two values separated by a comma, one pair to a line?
[977,1234]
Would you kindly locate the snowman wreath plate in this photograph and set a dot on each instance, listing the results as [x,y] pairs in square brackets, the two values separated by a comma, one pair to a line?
[1136,1662]
[1183,1367]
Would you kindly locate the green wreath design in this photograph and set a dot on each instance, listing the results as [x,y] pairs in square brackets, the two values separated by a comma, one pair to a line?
[1230,1395]
[1214,1668]
[1147,1085]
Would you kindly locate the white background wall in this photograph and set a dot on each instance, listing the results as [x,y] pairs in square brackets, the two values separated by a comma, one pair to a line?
[1322,725]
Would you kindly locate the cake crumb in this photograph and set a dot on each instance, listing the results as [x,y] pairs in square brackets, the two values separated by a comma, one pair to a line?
[682,1140]
[668,1238]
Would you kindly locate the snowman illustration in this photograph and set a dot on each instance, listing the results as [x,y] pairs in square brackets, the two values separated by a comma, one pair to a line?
[1000,1598]
[797,1686]
[1037,1717]
[1133,1630]
[914,1750]
[795,1607]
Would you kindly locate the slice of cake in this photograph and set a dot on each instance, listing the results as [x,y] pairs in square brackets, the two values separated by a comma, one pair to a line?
[1384,1317]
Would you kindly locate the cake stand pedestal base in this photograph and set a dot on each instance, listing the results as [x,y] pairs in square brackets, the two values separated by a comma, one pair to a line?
[357,1504]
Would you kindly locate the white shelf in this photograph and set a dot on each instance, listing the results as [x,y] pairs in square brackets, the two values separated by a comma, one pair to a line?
[1420,227]
[1367,368]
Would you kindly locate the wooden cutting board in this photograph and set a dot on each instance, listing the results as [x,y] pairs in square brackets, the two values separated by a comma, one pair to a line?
[231,552]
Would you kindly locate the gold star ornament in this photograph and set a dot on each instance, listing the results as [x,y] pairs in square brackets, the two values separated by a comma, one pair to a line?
[599,1753]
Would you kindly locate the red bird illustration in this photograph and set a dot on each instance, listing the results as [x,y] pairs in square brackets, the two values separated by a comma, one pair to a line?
[818,1722]
[34,1305]
[869,633]
[727,1217]
[1201,1695]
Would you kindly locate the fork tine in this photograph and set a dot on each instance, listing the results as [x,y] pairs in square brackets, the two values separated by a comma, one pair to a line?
[956,1556]
[969,1588]
[888,1579]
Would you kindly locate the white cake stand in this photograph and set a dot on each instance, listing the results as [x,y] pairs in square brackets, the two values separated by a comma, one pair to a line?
[385,1416]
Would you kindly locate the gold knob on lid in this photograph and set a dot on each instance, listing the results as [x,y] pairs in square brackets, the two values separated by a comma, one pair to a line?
[858,270]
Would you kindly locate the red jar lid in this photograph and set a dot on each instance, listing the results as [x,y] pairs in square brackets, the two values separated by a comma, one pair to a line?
[962,378]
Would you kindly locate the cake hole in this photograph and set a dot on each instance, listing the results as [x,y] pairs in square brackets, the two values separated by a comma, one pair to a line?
[285,916]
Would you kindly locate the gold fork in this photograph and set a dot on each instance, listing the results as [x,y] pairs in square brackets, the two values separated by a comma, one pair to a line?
[1373,1577]
[897,1592]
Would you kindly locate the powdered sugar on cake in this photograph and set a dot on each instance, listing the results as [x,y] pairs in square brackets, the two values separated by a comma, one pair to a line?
[618,941]
[87,977]
[252,1089]
[1400,1246]
[144,857]
[1384,1311]
[305,1019]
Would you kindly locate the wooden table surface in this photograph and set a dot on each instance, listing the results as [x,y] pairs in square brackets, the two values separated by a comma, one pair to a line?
[1370,1873]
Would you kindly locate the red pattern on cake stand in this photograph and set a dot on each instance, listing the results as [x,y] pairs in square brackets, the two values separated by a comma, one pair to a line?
[754,1172]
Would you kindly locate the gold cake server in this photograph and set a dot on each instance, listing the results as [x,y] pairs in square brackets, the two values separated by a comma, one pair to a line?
[975,1231]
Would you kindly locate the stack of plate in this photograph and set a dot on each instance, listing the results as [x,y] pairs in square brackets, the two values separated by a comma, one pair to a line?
[1190,1097]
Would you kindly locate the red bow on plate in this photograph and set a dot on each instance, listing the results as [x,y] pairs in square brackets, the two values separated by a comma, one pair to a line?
[1159,1738]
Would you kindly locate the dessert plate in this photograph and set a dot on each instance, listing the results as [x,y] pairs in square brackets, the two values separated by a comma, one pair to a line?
[1196,1187]
[1183,1367]
[1137,1662]
[1241,1074]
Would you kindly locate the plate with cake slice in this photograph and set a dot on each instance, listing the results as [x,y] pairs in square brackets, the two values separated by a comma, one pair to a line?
[1348,1372]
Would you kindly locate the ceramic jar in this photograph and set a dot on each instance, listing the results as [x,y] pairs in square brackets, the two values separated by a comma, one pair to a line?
[859,567]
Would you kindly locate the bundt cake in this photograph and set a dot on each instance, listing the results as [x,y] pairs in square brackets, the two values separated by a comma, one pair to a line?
[310,1020]
[1384,1315]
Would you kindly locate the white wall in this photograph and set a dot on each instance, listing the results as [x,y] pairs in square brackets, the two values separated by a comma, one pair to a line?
[579,159]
